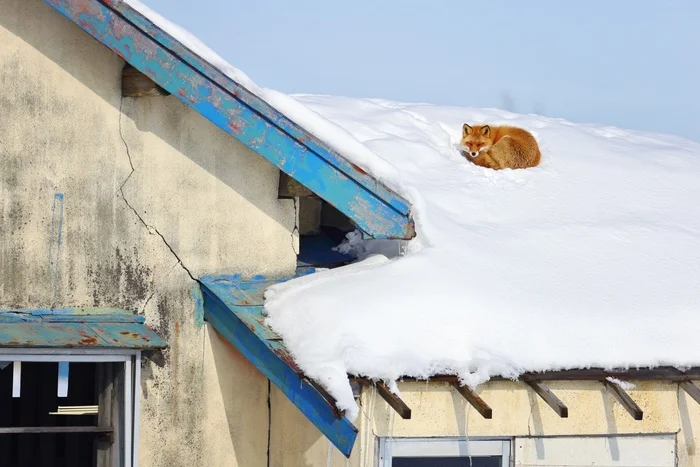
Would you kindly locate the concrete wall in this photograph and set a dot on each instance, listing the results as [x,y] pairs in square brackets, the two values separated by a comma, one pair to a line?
[147,195]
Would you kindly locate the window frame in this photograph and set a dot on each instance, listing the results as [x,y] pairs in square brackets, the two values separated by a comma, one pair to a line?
[132,379]
[391,447]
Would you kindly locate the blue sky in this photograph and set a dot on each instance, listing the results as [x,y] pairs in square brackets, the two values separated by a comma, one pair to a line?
[629,63]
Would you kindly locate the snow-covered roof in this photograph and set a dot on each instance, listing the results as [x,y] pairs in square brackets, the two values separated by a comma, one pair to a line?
[591,259]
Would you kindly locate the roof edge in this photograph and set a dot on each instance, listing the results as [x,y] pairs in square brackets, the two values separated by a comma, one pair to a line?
[374,208]
[232,306]
[659,373]
[294,130]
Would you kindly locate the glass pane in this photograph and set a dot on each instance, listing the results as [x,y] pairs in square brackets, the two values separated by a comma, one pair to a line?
[491,461]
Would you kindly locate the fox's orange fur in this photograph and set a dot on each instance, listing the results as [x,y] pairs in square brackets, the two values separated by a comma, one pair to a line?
[500,147]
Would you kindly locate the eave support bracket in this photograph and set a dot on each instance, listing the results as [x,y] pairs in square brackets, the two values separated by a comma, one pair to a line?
[548,396]
[624,399]
[476,401]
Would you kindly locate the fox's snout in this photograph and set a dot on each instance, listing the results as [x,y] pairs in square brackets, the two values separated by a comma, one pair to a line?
[472,150]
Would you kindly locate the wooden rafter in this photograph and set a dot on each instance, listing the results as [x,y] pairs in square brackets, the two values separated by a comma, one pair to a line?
[548,396]
[474,399]
[692,390]
[535,381]
[394,401]
[624,399]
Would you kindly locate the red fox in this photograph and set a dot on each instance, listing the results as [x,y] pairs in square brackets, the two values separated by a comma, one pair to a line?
[499,147]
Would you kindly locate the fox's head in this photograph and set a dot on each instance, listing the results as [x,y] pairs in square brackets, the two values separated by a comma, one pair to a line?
[476,139]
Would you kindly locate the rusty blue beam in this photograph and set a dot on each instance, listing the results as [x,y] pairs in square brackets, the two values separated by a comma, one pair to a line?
[233,306]
[373,207]
[68,328]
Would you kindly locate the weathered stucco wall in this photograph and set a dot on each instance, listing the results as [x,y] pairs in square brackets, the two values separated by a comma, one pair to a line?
[439,410]
[146,195]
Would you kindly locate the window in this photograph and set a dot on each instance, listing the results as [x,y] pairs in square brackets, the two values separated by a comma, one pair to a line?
[443,452]
[61,408]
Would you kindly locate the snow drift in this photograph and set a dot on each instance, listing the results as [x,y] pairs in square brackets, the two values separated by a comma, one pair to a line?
[591,259]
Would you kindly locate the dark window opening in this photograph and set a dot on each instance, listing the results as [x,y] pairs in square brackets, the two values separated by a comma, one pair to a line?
[321,228]
[34,432]
[490,461]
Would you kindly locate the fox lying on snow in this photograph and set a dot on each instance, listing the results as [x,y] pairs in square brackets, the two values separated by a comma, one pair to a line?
[499,147]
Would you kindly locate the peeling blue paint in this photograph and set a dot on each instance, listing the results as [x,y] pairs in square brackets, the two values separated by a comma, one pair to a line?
[373,207]
[76,327]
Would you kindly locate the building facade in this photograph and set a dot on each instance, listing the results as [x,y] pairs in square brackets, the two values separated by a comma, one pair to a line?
[115,208]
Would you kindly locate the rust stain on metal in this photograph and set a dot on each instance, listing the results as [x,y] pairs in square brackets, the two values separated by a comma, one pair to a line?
[88,341]
[332,403]
[286,358]
[358,169]
[69,333]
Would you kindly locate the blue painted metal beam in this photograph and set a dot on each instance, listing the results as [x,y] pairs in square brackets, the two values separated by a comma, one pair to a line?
[374,208]
[71,327]
[233,307]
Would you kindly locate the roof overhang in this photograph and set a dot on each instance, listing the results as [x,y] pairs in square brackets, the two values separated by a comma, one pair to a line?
[374,208]
[613,380]
[95,328]
[233,306]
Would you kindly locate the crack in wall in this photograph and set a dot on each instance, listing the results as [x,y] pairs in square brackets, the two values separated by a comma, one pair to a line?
[269,420]
[151,228]
[126,146]
[296,225]
[155,289]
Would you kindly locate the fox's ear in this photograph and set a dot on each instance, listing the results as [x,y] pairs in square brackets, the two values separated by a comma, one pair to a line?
[485,130]
[466,129]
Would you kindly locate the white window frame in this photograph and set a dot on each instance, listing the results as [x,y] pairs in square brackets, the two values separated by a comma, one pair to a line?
[132,377]
[390,448]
